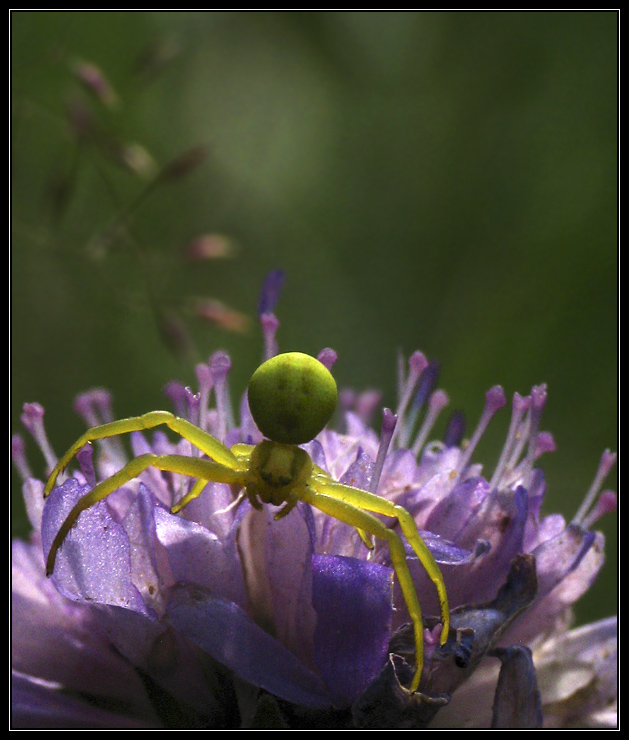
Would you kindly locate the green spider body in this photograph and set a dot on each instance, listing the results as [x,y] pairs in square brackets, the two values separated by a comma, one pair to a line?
[291,397]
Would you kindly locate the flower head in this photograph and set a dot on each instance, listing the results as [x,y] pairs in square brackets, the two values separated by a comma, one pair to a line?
[222,616]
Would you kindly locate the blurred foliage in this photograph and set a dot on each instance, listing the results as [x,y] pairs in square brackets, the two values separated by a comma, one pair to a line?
[436,180]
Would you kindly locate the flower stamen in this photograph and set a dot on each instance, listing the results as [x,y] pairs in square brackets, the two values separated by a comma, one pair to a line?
[519,406]
[205,381]
[95,407]
[327,357]
[427,382]
[589,511]
[270,325]
[389,421]
[437,402]
[417,363]
[33,419]
[494,400]
[18,455]
[220,365]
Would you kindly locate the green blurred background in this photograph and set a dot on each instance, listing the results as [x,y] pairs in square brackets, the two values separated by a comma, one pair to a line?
[437,180]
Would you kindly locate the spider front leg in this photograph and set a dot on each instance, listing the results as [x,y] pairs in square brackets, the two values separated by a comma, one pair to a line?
[204,470]
[195,435]
[363,501]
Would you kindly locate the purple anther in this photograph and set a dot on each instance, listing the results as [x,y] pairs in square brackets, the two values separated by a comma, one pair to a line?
[327,357]
[438,400]
[539,394]
[427,381]
[103,403]
[366,403]
[389,420]
[85,459]
[605,504]
[32,415]
[538,401]
[520,403]
[175,393]
[455,429]
[347,399]
[495,398]
[18,455]
[220,364]
[193,401]
[417,363]
[608,460]
[94,406]
[270,292]
[545,443]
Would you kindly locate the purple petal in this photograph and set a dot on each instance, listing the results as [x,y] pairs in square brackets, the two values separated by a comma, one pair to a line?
[454,514]
[139,524]
[57,640]
[447,553]
[197,556]
[166,659]
[224,630]
[567,565]
[36,704]
[360,472]
[94,562]
[517,702]
[352,599]
[558,557]
[578,675]
[288,553]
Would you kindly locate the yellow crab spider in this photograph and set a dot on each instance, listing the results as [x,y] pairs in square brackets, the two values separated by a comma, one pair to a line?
[292,397]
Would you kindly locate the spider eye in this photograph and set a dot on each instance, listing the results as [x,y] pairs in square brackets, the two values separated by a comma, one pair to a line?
[292,397]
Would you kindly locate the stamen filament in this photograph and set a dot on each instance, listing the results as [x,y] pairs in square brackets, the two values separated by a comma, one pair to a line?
[219,367]
[33,419]
[416,364]
[438,401]
[205,381]
[519,406]
[606,502]
[389,421]
[495,399]
[608,459]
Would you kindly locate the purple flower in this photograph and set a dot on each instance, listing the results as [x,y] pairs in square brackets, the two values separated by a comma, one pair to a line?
[222,617]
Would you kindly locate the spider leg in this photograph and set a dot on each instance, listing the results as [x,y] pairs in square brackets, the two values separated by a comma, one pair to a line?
[321,476]
[209,445]
[195,467]
[291,501]
[349,513]
[379,505]
[194,492]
